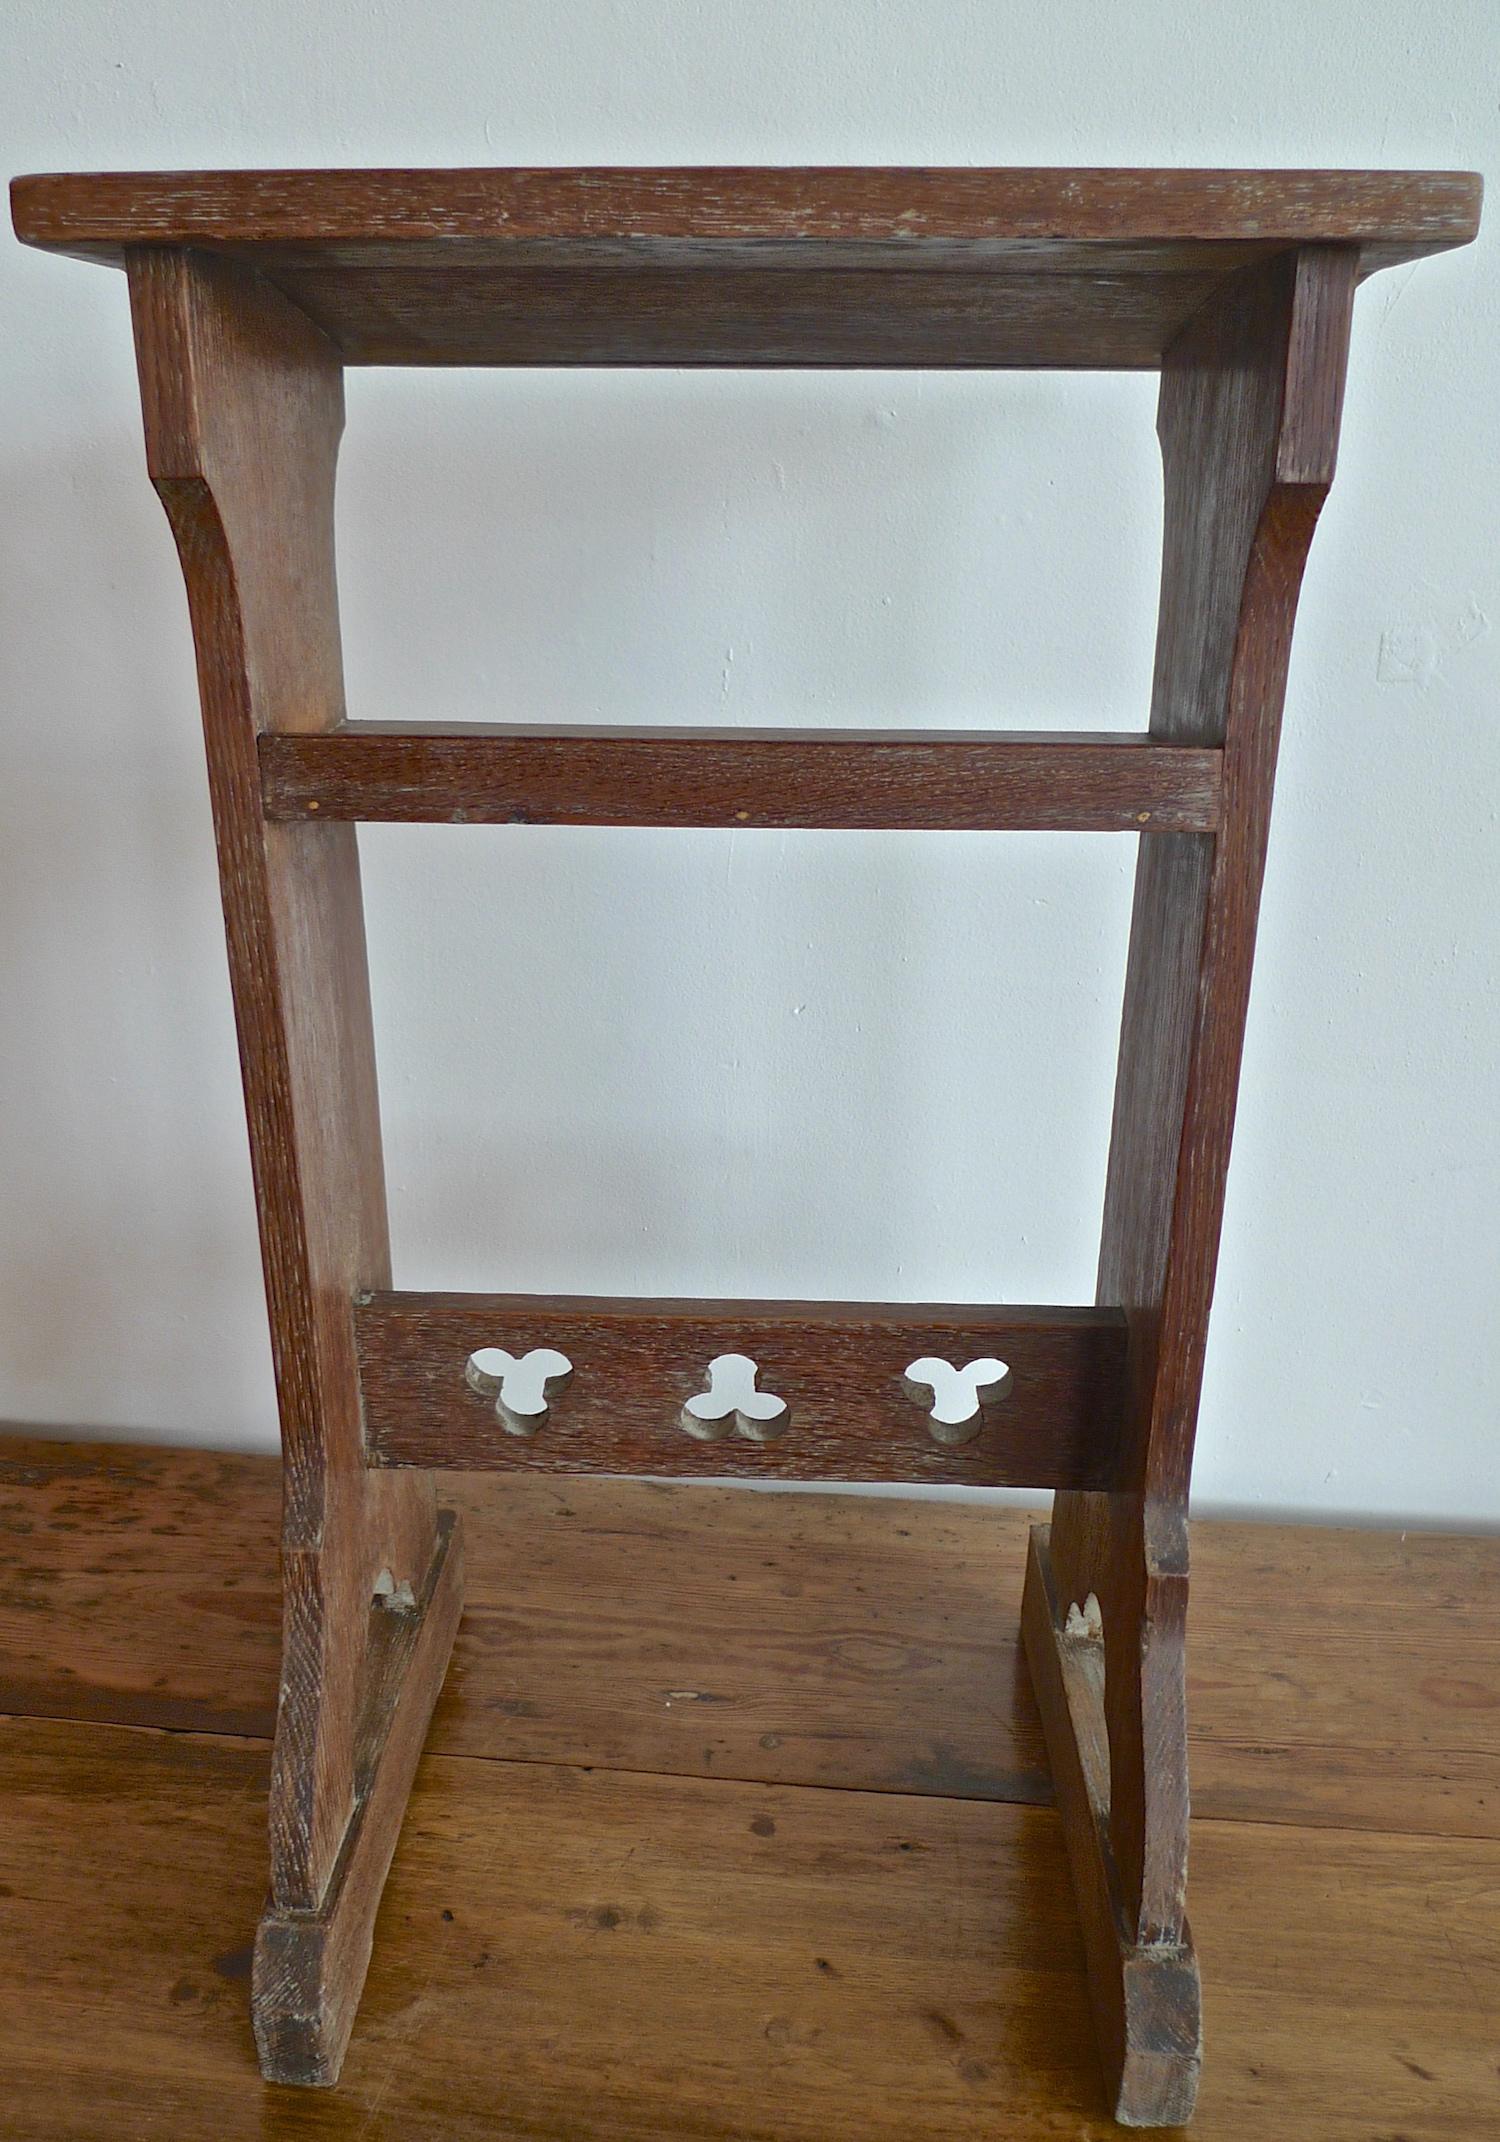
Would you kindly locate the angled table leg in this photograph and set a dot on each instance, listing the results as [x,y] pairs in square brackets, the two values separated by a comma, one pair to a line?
[251,291]
[243,402]
[1250,400]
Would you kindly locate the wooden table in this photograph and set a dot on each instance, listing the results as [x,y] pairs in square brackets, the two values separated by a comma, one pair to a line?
[250,293]
[735,1822]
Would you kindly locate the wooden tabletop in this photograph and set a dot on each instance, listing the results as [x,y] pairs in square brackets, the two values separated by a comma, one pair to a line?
[734,1822]
[732,266]
[903,213]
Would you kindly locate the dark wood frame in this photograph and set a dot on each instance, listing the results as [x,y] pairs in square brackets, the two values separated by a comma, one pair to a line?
[250,292]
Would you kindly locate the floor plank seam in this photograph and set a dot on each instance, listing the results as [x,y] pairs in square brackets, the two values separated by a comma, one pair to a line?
[627,1774]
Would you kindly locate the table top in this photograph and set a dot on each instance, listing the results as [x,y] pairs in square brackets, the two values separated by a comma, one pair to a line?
[781,266]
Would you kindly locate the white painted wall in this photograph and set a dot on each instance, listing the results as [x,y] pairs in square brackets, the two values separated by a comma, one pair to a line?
[868,1065]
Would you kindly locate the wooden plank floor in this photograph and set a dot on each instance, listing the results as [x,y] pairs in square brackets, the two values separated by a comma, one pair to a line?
[734,1824]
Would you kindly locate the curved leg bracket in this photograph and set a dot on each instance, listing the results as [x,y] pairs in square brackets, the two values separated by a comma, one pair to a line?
[310,1966]
[1145,1996]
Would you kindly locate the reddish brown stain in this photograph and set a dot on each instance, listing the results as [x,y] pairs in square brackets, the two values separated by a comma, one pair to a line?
[1453,1694]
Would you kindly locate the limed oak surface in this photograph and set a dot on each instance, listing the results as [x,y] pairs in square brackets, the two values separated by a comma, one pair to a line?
[732,266]
[242,401]
[941,780]
[249,292]
[839,1365]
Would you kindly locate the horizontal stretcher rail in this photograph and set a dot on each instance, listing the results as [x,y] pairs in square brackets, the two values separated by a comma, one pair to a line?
[914,1392]
[963,780]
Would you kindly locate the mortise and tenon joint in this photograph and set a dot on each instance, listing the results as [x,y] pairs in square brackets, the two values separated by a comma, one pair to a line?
[250,293]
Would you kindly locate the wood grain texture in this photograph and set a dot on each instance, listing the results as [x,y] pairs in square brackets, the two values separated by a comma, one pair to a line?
[309,1967]
[838,1366]
[249,292]
[1249,414]
[1146,1999]
[243,406]
[847,1641]
[751,267]
[584,1954]
[951,780]
[1244,395]
[748,206]
[744,316]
